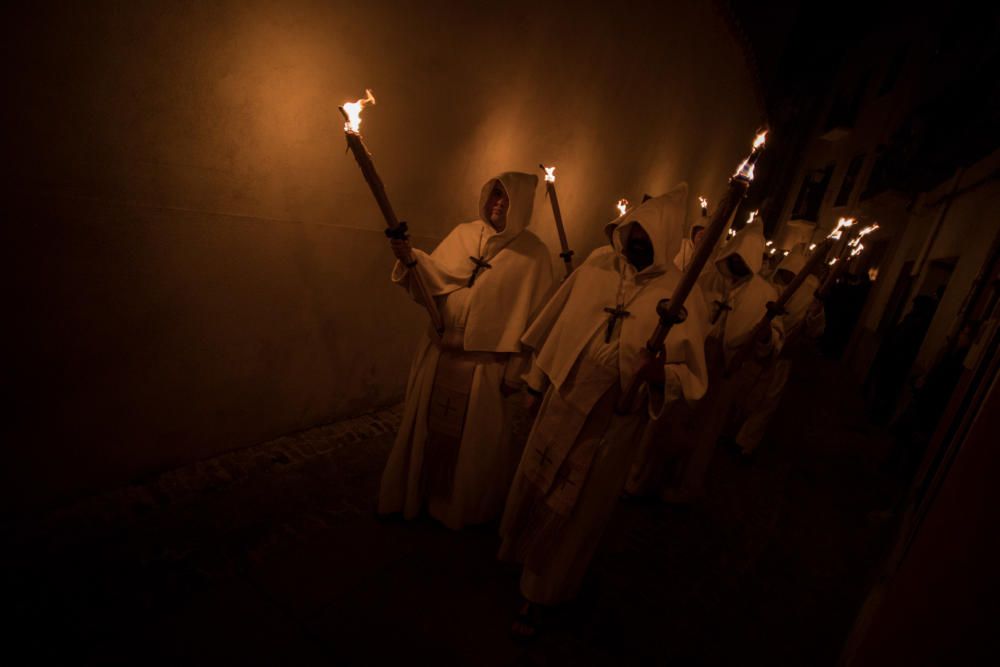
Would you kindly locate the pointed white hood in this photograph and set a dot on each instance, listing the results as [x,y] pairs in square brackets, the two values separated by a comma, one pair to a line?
[576,312]
[799,303]
[746,298]
[506,295]
[794,261]
[520,188]
[749,245]
[663,220]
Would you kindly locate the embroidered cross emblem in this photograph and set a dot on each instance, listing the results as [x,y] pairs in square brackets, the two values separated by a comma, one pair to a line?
[562,479]
[481,264]
[544,458]
[614,314]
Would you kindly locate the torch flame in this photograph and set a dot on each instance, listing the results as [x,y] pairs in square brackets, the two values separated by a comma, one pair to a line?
[812,246]
[832,261]
[353,111]
[784,253]
[703,202]
[550,174]
[753,216]
[622,206]
[759,139]
[838,231]
[746,167]
[773,250]
[856,241]
[867,230]
[858,250]
[768,243]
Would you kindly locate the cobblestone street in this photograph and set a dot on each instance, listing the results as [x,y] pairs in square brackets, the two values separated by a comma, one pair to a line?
[273,555]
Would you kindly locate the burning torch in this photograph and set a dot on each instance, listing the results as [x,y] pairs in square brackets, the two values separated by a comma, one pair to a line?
[351,112]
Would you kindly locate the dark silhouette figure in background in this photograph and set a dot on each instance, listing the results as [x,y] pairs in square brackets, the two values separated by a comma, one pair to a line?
[896,356]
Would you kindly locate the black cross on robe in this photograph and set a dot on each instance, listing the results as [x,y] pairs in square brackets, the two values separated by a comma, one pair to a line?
[562,479]
[480,265]
[543,457]
[719,307]
[614,314]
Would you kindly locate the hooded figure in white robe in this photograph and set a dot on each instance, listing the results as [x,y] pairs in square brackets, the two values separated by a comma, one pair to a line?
[663,438]
[684,256]
[588,343]
[454,452]
[804,318]
[737,298]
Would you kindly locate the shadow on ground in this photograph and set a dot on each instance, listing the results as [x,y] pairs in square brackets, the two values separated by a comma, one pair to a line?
[272,555]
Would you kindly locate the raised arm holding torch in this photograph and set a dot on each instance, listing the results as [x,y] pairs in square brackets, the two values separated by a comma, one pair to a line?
[396,230]
[776,308]
[671,311]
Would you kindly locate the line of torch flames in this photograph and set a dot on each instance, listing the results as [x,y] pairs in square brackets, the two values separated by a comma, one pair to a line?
[353,125]
[753,216]
[623,203]
[745,170]
[770,244]
[550,177]
[855,244]
[857,247]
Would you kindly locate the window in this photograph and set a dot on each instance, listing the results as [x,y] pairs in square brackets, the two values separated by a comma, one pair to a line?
[810,197]
[850,177]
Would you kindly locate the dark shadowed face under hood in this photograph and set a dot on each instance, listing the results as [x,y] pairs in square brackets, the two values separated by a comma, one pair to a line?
[790,265]
[662,219]
[748,245]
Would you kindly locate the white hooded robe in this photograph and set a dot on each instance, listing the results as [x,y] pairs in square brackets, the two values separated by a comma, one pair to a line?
[761,400]
[684,256]
[577,456]
[487,321]
[735,307]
